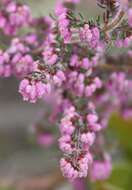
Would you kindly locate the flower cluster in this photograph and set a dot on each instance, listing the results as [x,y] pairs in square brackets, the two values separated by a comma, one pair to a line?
[32,90]
[78,136]
[63,22]
[126,42]
[90,35]
[16,60]
[116,96]
[63,61]
[49,50]
[13,16]
[5,68]
[101,169]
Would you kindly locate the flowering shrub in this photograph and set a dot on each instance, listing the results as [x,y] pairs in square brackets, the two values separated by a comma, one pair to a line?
[64,60]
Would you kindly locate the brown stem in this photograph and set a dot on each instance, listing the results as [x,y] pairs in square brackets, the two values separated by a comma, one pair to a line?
[113,64]
[115,22]
[115,67]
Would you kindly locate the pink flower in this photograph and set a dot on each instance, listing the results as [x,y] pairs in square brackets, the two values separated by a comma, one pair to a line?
[50,57]
[45,139]
[127,41]
[101,170]
[14,16]
[95,127]
[5,66]
[59,78]
[85,33]
[96,33]
[88,138]
[66,127]
[72,173]
[34,90]
[60,9]
[11,7]
[119,43]
[92,118]
[89,91]
[23,65]
[74,60]
[130,17]
[63,22]
[86,64]
[98,82]
[65,144]
[2,21]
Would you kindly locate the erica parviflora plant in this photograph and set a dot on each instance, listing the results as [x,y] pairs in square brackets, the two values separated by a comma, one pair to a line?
[64,60]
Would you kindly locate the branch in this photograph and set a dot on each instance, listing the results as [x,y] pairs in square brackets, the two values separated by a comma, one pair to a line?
[121,63]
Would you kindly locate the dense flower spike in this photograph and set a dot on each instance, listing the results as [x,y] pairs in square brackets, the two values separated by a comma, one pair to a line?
[63,61]
[77,138]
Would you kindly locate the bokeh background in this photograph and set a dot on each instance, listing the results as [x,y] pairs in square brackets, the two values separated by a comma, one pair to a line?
[22,160]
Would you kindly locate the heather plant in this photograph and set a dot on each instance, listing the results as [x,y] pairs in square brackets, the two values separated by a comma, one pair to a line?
[69,62]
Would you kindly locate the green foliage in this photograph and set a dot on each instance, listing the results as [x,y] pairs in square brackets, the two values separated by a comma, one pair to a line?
[122,130]
[121,177]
